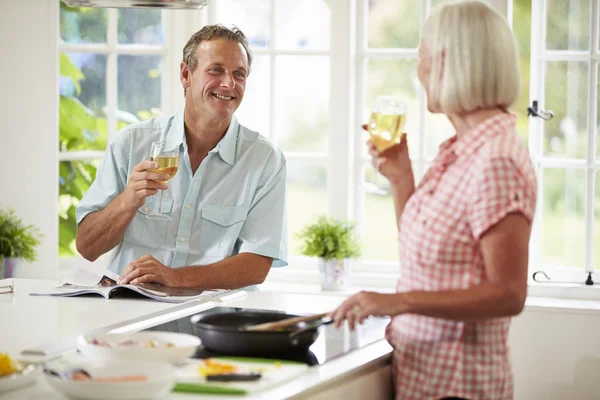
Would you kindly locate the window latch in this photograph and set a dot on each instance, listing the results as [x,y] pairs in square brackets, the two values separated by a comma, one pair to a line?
[589,281]
[543,114]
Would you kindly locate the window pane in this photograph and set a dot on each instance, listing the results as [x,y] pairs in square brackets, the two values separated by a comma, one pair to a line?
[567,25]
[379,230]
[140,26]
[436,3]
[253,18]
[139,85]
[522,29]
[306,185]
[396,78]
[596,130]
[301,105]
[393,24]
[292,29]
[253,113]
[439,129]
[563,217]
[82,122]
[566,87]
[74,180]
[596,246]
[83,25]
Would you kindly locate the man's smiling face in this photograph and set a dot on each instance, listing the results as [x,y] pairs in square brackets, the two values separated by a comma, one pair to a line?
[218,83]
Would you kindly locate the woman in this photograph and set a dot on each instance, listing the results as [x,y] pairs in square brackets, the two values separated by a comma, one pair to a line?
[464,231]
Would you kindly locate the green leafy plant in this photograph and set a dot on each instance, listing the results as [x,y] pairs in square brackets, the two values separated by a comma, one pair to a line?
[330,238]
[17,240]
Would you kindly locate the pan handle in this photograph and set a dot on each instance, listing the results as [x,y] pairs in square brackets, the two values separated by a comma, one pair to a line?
[323,321]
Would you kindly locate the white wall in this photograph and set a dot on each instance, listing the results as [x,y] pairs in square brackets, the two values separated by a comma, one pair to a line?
[29,121]
[556,354]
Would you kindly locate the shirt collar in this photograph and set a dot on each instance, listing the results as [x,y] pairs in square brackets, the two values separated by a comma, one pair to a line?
[474,138]
[226,147]
[175,136]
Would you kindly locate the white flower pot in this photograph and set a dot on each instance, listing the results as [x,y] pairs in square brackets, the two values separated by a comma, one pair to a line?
[334,273]
[9,267]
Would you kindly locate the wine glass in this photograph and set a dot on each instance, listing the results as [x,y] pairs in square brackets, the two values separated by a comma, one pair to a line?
[168,163]
[386,124]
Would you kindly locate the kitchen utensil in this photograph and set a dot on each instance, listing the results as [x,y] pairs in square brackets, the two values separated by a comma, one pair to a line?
[273,372]
[286,323]
[19,379]
[226,333]
[182,346]
[66,374]
[248,377]
[160,379]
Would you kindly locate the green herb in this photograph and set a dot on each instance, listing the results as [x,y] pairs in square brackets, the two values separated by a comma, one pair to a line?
[330,239]
[17,240]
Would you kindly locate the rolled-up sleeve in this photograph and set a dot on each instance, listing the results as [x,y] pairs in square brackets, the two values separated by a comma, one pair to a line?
[265,229]
[111,179]
[502,189]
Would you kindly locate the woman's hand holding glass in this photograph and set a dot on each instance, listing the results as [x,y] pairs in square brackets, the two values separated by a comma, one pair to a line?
[387,144]
[393,162]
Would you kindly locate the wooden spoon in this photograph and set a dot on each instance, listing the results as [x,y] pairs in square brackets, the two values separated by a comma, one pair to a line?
[285,323]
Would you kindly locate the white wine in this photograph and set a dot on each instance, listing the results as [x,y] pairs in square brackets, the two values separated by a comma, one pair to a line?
[386,129]
[166,165]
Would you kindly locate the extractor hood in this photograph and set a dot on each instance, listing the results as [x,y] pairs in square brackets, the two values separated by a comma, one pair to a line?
[167,4]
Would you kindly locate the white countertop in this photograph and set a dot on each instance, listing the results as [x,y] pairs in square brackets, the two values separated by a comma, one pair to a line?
[35,322]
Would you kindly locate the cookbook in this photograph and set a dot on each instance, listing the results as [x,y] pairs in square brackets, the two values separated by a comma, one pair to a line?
[84,282]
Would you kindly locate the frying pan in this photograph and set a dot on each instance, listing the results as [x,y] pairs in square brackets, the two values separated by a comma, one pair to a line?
[225,333]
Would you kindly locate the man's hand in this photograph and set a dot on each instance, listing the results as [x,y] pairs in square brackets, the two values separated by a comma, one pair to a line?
[143,182]
[147,269]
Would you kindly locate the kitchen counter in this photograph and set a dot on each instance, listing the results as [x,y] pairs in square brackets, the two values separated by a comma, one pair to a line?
[52,323]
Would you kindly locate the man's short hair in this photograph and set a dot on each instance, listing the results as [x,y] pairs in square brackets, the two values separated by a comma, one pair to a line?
[481,62]
[210,32]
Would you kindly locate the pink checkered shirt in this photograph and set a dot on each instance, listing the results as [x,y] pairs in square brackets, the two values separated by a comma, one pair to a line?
[472,184]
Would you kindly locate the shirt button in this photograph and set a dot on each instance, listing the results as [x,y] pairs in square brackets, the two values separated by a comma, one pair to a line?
[146,209]
[182,240]
[188,206]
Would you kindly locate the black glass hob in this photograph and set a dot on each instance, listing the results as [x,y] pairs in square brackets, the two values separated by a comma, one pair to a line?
[331,343]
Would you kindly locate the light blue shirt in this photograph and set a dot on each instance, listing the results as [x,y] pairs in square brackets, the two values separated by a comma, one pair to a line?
[234,203]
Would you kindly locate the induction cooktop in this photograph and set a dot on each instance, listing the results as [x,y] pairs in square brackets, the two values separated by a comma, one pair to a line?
[332,342]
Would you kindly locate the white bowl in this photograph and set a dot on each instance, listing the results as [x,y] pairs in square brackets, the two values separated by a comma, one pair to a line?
[19,380]
[184,346]
[161,379]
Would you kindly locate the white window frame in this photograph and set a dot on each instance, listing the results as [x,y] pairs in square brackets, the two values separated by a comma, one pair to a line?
[348,54]
[539,55]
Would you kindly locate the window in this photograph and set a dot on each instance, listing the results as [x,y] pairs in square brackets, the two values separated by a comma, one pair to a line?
[288,92]
[564,79]
[111,66]
[313,85]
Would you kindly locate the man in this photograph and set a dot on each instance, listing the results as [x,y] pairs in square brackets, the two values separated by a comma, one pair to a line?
[227,202]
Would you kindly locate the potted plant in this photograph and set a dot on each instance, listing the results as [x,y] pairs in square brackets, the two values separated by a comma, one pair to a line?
[17,242]
[335,243]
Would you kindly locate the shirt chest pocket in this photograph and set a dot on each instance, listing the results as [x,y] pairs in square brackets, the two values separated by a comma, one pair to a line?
[147,232]
[220,229]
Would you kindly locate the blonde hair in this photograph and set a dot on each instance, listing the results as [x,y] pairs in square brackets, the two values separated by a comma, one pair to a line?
[481,63]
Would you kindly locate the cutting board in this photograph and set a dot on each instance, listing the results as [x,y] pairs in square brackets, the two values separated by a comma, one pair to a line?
[274,373]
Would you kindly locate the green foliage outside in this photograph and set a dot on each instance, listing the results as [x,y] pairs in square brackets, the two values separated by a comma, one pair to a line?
[83,124]
[17,240]
[330,239]
[82,114]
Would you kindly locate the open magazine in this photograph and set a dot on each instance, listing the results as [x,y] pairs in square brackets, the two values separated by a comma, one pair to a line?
[84,282]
